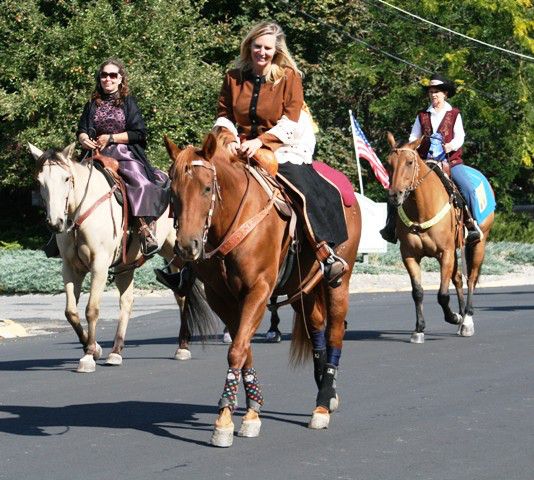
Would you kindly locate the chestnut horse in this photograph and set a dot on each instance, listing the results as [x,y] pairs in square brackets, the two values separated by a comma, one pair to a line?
[435,230]
[215,197]
[82,210]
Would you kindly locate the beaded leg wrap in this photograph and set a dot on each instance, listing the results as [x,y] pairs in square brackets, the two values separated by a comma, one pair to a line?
[229,395]
[327,390]
[319,361]
[252,389]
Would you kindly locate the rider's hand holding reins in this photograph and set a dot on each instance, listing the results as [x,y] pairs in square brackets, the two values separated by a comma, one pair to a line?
[87,142]
[250,147]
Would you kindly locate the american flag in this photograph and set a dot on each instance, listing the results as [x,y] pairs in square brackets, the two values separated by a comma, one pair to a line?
[364,150]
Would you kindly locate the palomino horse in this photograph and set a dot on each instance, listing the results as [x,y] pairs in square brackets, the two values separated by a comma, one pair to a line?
[216,203]
[70,190]
[435,230]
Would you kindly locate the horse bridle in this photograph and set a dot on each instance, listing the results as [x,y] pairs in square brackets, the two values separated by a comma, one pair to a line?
[216,193]
[65,167]
[415,182]
[230,240]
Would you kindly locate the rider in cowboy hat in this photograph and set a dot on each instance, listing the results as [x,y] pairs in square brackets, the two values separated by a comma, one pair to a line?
[441,118]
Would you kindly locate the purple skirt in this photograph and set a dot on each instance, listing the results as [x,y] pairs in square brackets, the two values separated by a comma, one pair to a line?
[146,198]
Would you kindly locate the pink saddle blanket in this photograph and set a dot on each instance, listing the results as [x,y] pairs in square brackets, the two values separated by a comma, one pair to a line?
[339,179]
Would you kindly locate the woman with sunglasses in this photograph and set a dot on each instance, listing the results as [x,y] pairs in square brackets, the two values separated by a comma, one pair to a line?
[112,123]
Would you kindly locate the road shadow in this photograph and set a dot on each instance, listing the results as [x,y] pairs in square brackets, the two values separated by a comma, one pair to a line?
[157,418]
[401,336]
[67,364]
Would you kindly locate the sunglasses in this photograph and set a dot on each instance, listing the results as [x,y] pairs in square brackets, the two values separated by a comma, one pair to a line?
[112,75]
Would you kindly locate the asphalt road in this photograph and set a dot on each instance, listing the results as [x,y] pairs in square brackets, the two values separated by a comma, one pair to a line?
[453,408]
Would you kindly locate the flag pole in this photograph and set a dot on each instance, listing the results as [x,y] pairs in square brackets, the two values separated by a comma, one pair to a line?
[356,152]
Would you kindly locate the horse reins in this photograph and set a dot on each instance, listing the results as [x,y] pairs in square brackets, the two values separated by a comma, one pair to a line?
[415,182]
[234,236]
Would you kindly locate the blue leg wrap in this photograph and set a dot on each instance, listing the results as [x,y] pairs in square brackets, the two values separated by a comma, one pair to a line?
[318,340]
[333,356]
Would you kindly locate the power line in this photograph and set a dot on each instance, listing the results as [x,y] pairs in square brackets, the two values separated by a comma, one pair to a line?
[405,12]
[368,45]
[505,102]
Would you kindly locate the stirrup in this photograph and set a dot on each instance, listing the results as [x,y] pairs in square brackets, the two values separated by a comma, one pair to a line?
[333,268]
[473,234]
[149,242]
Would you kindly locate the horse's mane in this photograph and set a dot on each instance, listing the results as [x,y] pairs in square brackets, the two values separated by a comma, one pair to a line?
[51,157]
[182,164]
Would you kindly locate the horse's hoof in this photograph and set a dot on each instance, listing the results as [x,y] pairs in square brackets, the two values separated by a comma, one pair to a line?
[334,403]
[223,437]
[319,420]
[114,359]
[98,351]
[250,428]
[417,337]
[457,319]
[182,354]
[467,328]
[227,338]
[273,337]
[87,364]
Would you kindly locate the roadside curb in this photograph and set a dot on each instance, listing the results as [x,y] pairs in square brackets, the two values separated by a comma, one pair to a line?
[11,329]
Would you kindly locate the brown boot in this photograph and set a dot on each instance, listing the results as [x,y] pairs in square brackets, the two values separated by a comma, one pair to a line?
[333,266]
[147,232]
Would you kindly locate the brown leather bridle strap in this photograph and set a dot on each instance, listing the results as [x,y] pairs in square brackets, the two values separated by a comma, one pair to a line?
[237,236]
[92,208]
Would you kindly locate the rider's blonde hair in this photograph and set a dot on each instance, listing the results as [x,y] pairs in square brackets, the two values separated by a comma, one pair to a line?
[281,59]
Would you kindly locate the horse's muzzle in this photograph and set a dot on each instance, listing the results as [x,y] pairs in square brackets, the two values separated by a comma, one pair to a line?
[397,198]
[189,250]
[56,226]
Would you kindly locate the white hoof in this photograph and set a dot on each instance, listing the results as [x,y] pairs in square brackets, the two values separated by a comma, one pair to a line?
[227,338]
[182,354]
[223,437]
[458,318]
[319,421]
[250,428]
[114,359]
[417,337]
[98,351]
[467,328]
[334,403]
[273,337]
[87,364]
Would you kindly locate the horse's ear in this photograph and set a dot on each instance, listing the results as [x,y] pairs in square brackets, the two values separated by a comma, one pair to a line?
[68,151]
[415,144]
[36,152]
[172,149]
[209,147]
[391,141]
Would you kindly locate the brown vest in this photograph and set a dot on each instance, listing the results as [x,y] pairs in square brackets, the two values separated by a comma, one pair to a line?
[446,128]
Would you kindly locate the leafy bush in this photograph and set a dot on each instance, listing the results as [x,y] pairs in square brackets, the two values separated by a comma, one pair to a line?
[512,227]
[29,271]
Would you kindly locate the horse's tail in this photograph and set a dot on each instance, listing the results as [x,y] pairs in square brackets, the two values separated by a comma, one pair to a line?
[301,347]
[199,316]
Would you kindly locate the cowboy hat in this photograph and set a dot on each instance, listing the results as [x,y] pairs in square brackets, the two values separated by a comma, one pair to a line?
[443,84]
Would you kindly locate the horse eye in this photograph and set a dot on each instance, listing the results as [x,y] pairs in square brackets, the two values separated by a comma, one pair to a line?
[207,189]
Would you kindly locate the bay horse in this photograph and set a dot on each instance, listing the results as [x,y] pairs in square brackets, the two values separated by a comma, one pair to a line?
[86,217]
[432,227]
[216,203]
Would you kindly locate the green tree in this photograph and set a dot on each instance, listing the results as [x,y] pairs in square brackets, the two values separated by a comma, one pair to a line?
[50,51]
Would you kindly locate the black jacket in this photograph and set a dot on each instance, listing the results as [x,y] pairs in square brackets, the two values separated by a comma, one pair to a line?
[135,128]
